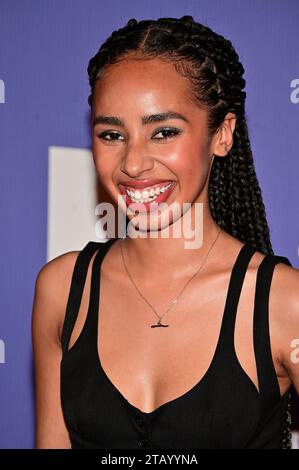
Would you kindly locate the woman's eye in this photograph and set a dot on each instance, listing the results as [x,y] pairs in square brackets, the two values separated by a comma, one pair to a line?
[168,132]
[112,136]
[103,136]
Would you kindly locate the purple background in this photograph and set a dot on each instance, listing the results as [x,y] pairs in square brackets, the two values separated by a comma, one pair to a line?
[44,50]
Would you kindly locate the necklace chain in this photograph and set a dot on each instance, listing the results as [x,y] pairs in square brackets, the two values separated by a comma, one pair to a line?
[180,293]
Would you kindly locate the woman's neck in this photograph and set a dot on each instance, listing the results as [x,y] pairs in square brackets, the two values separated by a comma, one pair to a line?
[174,255]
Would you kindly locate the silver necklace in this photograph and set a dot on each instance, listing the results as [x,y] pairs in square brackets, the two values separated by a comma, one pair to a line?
[159,324]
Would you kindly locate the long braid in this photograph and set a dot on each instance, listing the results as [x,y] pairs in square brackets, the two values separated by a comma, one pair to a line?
[212,66]
[235,196]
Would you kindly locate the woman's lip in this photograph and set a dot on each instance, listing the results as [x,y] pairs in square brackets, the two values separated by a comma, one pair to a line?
[148,206]
[141,184]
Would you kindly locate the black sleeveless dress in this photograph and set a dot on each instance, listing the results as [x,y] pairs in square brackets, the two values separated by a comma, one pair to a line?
[223,410]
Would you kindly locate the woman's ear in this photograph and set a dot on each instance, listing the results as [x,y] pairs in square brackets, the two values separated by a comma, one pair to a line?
[223,139]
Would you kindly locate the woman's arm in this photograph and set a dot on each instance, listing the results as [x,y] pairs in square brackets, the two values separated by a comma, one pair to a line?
[285,305]
[50,299]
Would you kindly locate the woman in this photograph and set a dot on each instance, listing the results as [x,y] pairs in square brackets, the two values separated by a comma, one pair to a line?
[192,347]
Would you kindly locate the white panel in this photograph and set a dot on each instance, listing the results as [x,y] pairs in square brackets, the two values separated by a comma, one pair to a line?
[72,200]
[295,439]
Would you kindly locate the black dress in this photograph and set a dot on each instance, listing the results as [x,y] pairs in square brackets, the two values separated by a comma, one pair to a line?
[223,410]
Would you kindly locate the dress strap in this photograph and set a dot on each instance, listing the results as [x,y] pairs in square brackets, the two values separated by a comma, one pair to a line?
[91,324]
[267,379]
[226,346]
[76,291]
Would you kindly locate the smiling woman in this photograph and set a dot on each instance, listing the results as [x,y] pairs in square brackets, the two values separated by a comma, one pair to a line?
[139,147]
[169,131]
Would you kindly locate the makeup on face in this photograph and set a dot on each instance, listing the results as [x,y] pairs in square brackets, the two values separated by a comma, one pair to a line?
[150,142]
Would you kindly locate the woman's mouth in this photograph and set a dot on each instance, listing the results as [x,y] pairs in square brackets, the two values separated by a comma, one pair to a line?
[146,199]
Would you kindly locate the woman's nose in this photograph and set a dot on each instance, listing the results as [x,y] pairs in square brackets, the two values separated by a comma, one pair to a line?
[136,161]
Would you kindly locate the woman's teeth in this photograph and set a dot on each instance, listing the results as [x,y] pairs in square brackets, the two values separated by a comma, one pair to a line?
[146,195]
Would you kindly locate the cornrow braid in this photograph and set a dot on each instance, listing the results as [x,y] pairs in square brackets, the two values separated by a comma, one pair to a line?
[212,65]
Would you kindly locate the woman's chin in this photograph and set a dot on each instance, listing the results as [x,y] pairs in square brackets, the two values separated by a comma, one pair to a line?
[155,221]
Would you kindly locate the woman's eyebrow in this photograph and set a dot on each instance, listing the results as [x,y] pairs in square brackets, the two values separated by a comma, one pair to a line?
[117,121]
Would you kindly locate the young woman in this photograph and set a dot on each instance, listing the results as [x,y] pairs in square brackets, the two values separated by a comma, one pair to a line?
[141,342]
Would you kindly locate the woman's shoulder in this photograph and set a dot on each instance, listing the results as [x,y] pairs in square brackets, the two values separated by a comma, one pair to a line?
[52,286]
[54,273]
[285,288]
[283,303]
[284,280]
[284,315]
[58,271]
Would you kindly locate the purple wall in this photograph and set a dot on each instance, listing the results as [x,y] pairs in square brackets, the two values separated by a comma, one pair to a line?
[44,50]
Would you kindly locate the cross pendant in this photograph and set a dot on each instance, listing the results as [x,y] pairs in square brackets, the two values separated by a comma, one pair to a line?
[158,324]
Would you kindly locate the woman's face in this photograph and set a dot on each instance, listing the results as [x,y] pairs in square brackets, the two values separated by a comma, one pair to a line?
[137,150]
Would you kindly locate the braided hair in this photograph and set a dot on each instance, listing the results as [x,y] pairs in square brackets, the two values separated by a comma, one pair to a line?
[212,65]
